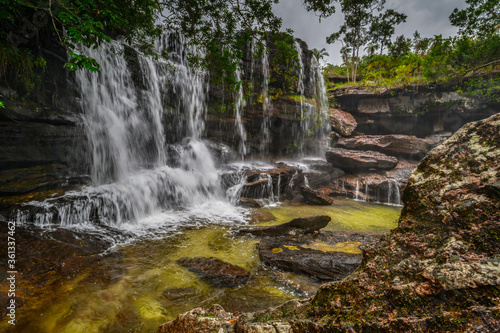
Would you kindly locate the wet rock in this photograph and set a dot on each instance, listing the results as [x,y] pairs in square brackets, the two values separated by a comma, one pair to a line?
[384,187]
[395,145]
[49,256]
[300,284]
[201,321]
[249,203]
[316,179]
[258,189]
[354,160]
[326,256]
[342,122]
[178,295]
[298,226]
[315,197]
[216,272]
[317,164]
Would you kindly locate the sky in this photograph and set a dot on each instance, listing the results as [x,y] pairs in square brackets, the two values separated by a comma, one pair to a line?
[429,17]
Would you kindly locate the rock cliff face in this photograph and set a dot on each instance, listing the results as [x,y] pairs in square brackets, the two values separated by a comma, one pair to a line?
[437,271]
[405,123]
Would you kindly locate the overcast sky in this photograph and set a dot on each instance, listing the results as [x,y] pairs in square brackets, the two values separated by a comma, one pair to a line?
[429,17]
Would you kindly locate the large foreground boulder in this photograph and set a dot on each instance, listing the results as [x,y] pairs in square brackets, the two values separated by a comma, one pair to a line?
[438,270]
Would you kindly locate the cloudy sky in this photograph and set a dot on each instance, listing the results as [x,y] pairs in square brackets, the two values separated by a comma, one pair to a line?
[429,17]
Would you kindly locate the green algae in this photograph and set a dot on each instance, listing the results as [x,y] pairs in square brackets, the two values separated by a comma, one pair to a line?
[153,288]
[347,216]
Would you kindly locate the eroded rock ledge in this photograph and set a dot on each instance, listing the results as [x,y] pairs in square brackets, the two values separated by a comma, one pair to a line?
[437,271]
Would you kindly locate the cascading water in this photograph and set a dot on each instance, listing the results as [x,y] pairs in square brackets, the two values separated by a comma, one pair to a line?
[239,104]
[393,193]
[125,118]
[266,105]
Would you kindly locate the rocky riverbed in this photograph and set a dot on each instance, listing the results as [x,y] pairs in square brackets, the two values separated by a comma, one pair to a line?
[437,271]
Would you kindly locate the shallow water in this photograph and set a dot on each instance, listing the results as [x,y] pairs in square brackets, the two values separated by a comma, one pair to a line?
[143,286]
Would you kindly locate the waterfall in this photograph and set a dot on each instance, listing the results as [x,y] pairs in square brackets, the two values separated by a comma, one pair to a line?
[239,104]
[300,82]
[393,193]
[356,195]
[132,122]
[266,105]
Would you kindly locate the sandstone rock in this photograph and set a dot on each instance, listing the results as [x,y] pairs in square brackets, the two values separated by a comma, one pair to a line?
[316,179]
[353,160]
[216,272]
[326,256]
[396,145]
[342,122]
[315,197]
[298,226]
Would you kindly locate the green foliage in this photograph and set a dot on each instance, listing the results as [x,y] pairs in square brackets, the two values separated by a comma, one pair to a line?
[481,19]
[362,25]
[20,67]
[285,61]
[1,105]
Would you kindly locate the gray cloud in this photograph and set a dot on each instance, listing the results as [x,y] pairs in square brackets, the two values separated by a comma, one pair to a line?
[429,17]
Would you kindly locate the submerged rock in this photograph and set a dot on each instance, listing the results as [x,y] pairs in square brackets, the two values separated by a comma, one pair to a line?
[216,272]
[326,256]
[298,226]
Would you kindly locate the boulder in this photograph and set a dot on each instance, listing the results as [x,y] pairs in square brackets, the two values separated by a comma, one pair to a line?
[407,146]
[326,256]
[216,272]
[355,160]
[298,226]
[342,122]
[315,197]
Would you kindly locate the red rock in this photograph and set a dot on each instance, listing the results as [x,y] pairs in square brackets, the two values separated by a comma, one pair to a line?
[342,122]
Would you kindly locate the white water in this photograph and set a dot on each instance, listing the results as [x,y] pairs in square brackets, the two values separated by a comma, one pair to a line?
[135,184]
[239,104]
[266,105]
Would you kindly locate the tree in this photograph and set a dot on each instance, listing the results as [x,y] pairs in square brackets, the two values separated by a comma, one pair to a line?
[361,26]
[383,27]
[480,19]
[214,25]
[320,54]
[400,47]
[479,28]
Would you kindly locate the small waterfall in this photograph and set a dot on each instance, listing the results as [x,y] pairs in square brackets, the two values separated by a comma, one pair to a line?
[266,105]
[393,193]
[239,104]
[306,181]
[366,192]
[356,195]
[300,82]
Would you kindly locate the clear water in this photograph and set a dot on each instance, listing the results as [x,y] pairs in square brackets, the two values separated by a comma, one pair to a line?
[150,288]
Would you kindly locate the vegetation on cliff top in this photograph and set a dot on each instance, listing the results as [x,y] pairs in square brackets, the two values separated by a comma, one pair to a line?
[419,60]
